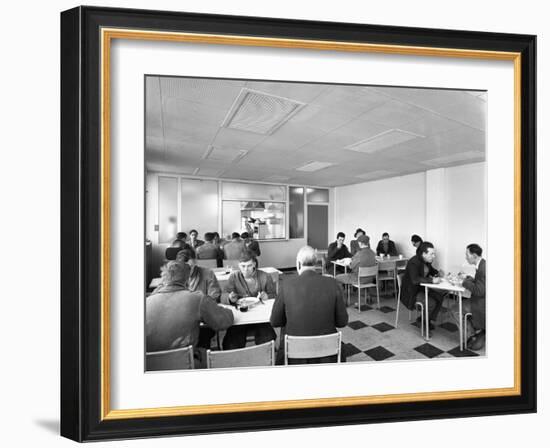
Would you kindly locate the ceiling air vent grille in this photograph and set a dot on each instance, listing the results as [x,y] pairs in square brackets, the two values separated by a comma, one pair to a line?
[260,112]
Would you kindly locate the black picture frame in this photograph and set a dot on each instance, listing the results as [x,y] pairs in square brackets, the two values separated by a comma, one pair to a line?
[81,225]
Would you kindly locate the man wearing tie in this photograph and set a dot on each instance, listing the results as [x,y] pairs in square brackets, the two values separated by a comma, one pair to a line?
[476,285]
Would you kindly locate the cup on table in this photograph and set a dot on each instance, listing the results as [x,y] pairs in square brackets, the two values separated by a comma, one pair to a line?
[400,256]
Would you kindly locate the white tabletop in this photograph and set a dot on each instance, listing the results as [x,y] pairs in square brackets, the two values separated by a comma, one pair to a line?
[444,285]
[343,262]
[222,274]
[258,314]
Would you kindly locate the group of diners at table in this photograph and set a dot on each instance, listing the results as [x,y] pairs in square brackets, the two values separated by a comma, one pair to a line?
[213,247]
[188,307]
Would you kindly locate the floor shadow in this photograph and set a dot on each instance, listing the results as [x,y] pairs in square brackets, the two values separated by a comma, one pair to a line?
[49,425]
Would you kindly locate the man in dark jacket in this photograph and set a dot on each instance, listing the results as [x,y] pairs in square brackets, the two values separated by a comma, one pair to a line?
[309,304]
[251,244]
[194,241]
[386,246]
[420,270]
[476,286]
[337,251]
[173,313]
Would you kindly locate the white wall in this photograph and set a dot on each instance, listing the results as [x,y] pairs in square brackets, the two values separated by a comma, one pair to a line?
[446,206]
[396,205]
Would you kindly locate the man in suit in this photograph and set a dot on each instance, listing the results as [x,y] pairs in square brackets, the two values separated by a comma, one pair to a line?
[476,286]
[309,304]
[194,241]
[208,250]
[336,251]
[420,270]
[234,249]
[386,246]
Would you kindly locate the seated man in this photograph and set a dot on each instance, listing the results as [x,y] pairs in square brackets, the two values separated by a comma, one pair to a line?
[173,313]
[386,246]
[309,304]
[476,286]
[420,270]
[233,249]
[363,258]
[208,250]
[251,244]
[248,281]
[172,251]
[354,245]
[194,241]
[336,251]
[200,278]
[180,236]
[416,241]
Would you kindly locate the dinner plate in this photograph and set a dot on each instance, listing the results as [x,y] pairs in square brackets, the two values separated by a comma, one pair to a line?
[248,301]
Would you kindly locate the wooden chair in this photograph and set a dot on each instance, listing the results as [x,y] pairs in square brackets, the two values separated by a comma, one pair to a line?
[387,271]
[176,359]
[418,305]
[257,355]
[401,265]
[371,271]
[234,264]
[307,347]
[211,263]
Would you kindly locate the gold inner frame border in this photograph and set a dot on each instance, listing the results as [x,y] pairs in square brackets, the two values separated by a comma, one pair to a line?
[107,35]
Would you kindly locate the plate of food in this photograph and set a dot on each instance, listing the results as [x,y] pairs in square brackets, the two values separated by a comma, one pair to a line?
[248,301]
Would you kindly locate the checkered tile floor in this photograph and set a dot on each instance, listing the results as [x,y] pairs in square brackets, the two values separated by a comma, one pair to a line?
[371,335]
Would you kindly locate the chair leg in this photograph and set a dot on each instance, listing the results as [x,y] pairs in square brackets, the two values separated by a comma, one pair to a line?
[378,296]
[465,329]
[421,306]
[359,299]
[396,312]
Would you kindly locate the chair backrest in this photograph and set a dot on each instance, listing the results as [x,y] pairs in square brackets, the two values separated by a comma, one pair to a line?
[306,347]
[172,252]
[207,263]
[367,272]
[401,264]
[257,355]
[387,265]
[400,280]
[176,359]
[231,264]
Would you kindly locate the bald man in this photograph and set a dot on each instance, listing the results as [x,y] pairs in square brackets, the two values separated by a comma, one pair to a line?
[309,304]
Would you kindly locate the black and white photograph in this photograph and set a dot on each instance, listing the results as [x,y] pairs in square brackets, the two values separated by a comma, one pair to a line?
[293,223]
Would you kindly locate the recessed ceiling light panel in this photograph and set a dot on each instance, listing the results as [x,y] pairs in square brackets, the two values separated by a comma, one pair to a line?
[314,166]
[383,140]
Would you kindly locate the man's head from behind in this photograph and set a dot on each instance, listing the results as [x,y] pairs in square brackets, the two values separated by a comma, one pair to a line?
[175,273]
[187,255]
[363,241]
[208,237]
[426,251]
[473,253]
[247,264]
[416,240]
[245,235]
[235,236]
[306,259]
[181,236]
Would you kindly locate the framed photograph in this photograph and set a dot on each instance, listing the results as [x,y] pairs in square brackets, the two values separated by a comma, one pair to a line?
[274,224]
